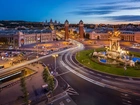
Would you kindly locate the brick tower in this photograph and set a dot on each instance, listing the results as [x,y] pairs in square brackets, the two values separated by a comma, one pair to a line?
[66,30]
[81,30]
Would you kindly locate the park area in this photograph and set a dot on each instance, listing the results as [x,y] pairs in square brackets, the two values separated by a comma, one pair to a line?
[87,59]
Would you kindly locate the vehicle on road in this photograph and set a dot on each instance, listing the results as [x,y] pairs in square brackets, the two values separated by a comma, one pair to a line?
[45,88]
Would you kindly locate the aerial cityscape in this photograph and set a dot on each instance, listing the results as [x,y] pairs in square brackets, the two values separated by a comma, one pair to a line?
[77,52]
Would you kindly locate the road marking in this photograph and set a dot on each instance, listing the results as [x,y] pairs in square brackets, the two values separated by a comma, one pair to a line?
[108,77]
[68,100]
[126,103]
[71,91]
[61,103]
[62,73]
[99,74]
[126,100]
[82,76]
[125,97]
[124,94]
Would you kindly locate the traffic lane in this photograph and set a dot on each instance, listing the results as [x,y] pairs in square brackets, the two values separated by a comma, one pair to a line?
[101,78]
[102,75]
[90,94]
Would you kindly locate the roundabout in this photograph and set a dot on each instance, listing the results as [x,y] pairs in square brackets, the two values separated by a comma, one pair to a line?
[111,59]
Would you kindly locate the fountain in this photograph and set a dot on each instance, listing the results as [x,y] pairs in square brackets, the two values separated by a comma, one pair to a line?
[114,54]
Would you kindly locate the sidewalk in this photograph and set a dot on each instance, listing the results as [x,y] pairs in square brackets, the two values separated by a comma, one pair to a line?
[14,92]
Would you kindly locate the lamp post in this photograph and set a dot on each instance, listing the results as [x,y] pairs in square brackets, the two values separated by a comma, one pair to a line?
[55,55]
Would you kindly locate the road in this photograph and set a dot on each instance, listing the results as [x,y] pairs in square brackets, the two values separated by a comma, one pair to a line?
[85,90]
[96,93]
[87,93]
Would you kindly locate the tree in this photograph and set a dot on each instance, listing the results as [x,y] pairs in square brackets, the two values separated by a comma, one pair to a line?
[45,74]
[23,87]
[51,83]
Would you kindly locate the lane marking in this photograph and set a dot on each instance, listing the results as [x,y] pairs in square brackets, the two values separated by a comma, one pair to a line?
[82,76]
[126,103]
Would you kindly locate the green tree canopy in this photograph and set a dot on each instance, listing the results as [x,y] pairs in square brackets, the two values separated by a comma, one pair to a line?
[45,74]
[51,83]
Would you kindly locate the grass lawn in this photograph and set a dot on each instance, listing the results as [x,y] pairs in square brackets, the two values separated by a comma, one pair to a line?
[84,58]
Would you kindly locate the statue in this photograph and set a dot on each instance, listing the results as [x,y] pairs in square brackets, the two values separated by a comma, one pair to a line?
[114,40]
[114,34]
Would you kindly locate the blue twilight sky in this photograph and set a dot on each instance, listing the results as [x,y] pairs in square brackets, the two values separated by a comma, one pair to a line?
[90,11]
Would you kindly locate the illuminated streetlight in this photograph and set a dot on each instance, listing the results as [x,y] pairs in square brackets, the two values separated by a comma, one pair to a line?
[55,55]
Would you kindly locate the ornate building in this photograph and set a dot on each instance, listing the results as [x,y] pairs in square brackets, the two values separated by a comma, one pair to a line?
[25,37]
[124,35]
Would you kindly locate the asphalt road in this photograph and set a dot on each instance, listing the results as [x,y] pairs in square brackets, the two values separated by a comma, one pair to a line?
[88,93]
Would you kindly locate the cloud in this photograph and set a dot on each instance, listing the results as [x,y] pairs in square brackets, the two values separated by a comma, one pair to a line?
[125,18]
[92,12]
[103,9]
[109,9]
[131,8]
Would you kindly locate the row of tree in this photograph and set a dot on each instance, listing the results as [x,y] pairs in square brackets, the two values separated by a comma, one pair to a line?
[49,79]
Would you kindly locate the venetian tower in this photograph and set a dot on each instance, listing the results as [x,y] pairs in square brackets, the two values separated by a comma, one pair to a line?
[81,29]
[66,30]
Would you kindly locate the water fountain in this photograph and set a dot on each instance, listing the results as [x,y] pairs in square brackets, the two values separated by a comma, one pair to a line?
[114,54]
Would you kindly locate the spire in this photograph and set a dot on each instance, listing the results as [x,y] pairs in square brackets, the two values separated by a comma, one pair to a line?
[66,22]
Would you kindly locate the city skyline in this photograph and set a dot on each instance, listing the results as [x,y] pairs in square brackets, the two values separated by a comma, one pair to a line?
[109,11]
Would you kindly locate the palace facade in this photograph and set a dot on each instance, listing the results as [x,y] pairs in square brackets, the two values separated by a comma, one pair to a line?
[125,36]
[25,37]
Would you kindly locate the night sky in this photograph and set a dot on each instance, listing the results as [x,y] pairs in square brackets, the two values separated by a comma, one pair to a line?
[90,11]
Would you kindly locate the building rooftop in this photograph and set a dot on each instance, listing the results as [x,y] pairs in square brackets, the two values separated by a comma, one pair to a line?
[14,32]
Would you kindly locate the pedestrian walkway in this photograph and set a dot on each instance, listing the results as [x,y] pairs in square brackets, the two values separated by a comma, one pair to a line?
[60,99]
[14,92]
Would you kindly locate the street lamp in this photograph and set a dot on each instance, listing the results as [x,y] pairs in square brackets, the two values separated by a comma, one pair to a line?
[55,55]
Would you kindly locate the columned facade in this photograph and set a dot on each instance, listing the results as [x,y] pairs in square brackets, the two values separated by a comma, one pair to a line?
[81,29]
[124,36]
[20,38]
[66,30]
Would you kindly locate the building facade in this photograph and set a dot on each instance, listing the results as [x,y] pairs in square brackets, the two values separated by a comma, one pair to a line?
[25,37]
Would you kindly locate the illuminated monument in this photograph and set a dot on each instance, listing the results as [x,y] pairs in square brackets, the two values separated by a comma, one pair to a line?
[114,54]
[114,41]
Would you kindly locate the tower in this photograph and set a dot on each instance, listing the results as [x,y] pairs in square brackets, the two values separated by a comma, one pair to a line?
[81,29]
[66,30]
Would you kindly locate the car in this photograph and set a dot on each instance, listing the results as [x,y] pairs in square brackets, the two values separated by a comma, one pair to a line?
[10,48]
[45,88]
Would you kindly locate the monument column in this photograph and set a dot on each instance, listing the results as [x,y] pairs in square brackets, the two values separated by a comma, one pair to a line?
[81,29]
[66,30]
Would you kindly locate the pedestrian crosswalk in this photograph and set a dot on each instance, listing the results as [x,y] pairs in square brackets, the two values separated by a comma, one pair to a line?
[126,99]
[71,91]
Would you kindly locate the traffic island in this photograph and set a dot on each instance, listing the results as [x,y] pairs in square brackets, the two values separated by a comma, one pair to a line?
[85,58]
